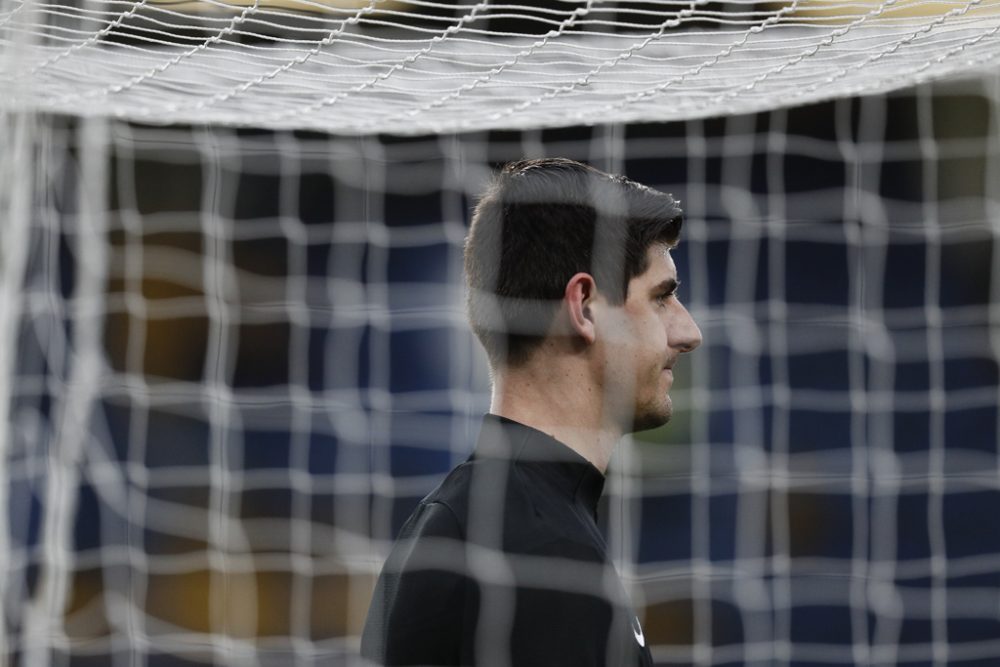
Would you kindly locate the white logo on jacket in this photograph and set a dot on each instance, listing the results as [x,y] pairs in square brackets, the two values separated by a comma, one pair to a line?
[637,631]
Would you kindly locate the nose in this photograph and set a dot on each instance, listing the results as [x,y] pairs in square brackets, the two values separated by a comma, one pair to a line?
[685,334]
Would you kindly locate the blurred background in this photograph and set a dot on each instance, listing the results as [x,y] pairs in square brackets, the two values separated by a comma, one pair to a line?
[223,413]
[233,361]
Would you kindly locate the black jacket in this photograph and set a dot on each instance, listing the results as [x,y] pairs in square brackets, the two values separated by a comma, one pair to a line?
[504,564]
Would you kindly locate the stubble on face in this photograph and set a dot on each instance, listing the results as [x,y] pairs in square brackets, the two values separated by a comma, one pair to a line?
[653,406]
[646,351]
[654,412]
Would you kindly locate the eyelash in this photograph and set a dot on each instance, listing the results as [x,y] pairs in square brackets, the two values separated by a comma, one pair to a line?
[662,299]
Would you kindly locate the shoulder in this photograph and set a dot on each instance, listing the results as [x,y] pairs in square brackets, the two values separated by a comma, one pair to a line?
[482,495]
[446,507]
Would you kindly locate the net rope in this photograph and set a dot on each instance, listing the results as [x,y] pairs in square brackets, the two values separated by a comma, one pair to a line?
[420,67]
[236,359]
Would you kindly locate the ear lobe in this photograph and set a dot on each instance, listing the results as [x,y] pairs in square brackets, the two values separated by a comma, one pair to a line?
[581,290]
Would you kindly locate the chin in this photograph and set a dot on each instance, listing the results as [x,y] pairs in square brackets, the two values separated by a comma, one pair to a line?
[652,417]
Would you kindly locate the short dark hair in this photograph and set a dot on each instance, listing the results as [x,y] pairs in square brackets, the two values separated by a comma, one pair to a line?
[539,223]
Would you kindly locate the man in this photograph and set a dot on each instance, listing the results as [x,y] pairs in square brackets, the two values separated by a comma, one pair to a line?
[573,294]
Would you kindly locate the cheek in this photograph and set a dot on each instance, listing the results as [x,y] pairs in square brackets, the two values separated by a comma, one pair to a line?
[650,345]
[656,335]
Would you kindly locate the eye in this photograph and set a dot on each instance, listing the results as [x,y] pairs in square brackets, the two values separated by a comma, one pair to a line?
[664,296]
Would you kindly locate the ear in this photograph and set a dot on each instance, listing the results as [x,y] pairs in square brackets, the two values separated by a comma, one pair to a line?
[581,292]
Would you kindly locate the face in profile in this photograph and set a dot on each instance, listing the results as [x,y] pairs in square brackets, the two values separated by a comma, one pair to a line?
[644,337]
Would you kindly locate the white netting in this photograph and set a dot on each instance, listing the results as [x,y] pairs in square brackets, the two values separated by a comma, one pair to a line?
[234,361]
[231,361]
[414,67]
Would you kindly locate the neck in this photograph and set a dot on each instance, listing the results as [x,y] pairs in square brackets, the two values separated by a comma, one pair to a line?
[559,401]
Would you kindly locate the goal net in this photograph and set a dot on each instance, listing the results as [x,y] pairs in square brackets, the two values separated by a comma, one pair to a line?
[234,355]
[410,67]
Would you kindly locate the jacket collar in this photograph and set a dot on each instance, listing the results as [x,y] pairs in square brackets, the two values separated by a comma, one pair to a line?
[503,438]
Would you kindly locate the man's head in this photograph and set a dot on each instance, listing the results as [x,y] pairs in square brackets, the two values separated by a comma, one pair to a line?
[554,237]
